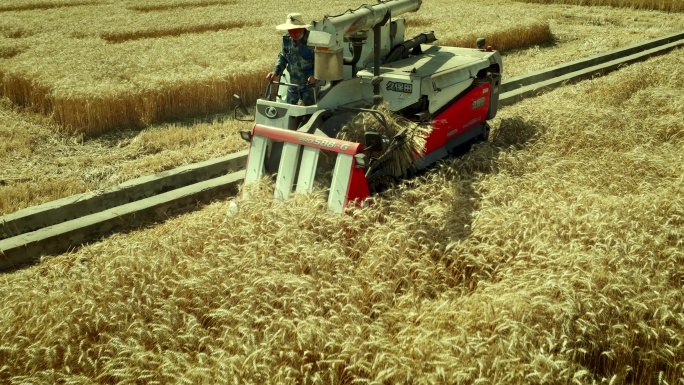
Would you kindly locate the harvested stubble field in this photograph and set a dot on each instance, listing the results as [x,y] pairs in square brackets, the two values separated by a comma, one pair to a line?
[135,63]
[660,5]
[551,254]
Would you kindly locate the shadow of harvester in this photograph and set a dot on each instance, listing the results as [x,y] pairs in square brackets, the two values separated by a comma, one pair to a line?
[441,202]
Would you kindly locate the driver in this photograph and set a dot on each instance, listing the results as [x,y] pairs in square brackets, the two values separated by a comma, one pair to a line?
[298,59]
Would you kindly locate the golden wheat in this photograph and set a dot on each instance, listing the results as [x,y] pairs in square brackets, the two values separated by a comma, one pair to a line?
[137,63]
[550,254]
[510,39]
[43,4]
[41,165]
[659,5]
[148,6]
[389,126]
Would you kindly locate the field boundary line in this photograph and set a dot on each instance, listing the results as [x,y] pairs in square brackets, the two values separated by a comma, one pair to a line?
[27,248]
[553,80]
[75,206]
[577,65]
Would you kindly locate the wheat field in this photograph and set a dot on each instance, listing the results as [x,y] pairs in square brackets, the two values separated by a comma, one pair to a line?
[132,63]
[660,5]
[551,254]
[68,67]
[96,66]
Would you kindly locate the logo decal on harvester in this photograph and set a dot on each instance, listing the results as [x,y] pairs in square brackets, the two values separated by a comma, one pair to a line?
[400,87]
[322,142]
[271,112]
[478,103]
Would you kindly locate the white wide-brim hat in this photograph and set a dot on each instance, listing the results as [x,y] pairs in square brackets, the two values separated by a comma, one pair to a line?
[294,21]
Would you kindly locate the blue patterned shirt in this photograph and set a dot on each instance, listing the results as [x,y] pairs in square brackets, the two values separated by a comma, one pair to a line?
[297,58]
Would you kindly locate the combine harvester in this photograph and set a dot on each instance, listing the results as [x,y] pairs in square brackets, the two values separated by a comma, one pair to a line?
[364,61]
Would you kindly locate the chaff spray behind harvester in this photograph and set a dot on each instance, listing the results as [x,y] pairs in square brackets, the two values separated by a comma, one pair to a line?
[387,107]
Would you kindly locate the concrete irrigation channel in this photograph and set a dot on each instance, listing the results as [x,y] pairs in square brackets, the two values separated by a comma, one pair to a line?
[65,224]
